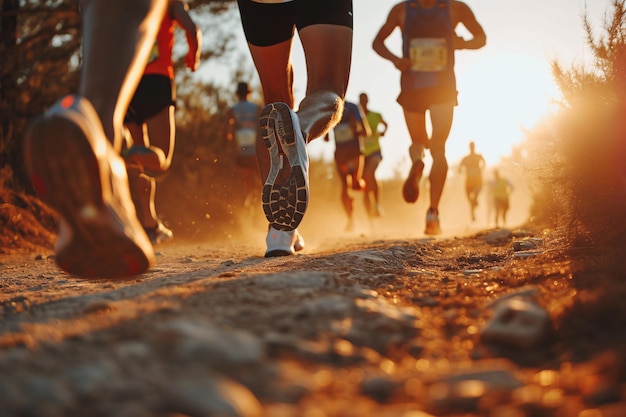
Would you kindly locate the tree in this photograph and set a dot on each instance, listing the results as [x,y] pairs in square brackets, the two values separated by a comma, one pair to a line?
[605,80]
[44,48]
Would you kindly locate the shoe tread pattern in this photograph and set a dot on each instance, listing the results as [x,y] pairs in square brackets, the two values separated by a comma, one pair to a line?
[284,202]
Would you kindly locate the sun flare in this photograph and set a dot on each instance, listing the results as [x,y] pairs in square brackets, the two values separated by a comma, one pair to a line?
[499,96]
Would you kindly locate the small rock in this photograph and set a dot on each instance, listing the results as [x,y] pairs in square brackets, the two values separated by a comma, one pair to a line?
[517,323]
[213,397]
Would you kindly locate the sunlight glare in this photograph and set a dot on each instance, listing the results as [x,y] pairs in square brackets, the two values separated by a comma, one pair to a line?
[501,95]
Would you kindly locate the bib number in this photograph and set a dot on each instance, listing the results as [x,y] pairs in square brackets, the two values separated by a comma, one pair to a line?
[245,137]
[428,54]
[343,133]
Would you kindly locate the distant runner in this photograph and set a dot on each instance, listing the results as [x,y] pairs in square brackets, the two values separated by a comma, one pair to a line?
[349,134]
[373,157]
[501,189]
[243,128]
[473,164]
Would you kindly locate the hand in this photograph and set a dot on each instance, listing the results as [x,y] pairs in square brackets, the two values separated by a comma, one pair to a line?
[192,61]
[459,42]
[403,64]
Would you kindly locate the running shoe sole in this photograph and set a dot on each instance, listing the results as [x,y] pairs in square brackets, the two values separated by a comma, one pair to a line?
[284,203]
[76,171]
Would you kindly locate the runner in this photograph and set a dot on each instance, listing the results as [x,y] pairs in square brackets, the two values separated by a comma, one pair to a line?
[72,150]
[243,127]
[428,83]
[373,157]
[150,118]
[349,134]
[473,164]
[501,189]
[325,31]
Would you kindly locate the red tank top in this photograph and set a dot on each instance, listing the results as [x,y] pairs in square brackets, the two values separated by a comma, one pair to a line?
[160,61]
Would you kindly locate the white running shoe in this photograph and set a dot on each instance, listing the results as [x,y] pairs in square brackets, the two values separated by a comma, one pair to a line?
[432,223]
[285,200]
[283,242]
[75,170]
[159,233]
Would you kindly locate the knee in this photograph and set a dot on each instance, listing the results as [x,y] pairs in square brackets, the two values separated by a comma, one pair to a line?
[438,151]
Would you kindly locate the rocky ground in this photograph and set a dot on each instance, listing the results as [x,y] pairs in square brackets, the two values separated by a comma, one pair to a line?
[489,322]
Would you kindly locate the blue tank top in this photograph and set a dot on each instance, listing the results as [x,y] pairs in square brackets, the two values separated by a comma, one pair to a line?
[427,40]
[246,115]
[345,135]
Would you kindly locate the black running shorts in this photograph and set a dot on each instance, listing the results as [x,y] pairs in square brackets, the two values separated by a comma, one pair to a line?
[348,152]
[266,24]
[154,93]
[418,101]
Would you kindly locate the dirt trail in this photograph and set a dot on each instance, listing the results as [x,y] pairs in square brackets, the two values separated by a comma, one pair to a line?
[365,327]
[374,322]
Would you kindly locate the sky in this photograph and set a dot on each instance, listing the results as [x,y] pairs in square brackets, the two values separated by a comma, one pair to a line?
[504,87]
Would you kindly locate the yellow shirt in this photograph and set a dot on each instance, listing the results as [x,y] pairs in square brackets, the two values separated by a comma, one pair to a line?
[371,143]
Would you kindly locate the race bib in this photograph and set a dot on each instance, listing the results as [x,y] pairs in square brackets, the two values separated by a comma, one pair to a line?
[343,133]
[245,137]
[428,54]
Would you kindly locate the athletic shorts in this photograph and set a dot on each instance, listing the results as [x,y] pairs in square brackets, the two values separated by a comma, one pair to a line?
[345,154]
[374,154]
[501,203]
[422,99]
[154,93]
[266,24]
[473,184]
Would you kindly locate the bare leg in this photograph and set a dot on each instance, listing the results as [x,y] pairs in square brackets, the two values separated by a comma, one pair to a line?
[275,71]
[328,70]
[121,32]
[143,188]
[69,154]
[371,184]
[159,138]
[441,117]
[328,49]
[416,124]
[346,200]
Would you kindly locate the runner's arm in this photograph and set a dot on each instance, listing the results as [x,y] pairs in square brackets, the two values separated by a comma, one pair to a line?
[464,15]
[180,14]
[394,20]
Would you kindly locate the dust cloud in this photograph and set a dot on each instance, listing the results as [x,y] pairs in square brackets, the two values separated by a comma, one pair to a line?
[240,222]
